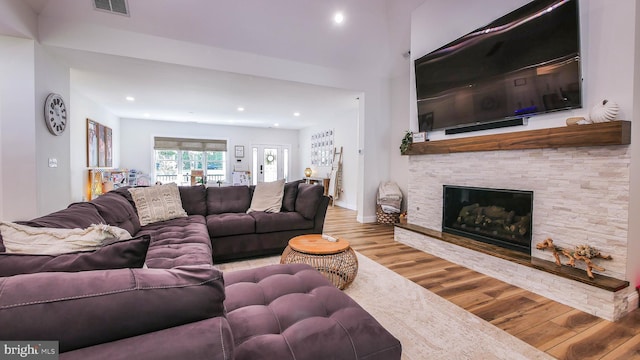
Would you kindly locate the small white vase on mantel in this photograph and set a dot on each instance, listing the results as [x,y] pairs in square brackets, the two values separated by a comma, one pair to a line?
[604,111]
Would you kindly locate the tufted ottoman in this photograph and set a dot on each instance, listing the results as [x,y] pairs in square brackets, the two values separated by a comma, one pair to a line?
[291,311]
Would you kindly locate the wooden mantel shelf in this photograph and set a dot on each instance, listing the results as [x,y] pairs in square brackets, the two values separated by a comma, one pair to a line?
[601,134]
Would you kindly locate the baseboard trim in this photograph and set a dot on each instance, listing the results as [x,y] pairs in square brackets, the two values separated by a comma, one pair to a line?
[366,219]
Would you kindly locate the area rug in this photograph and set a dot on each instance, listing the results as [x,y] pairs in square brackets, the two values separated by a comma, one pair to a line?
[428,326]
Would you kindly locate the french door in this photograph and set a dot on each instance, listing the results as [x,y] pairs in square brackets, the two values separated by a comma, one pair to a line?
[270,162]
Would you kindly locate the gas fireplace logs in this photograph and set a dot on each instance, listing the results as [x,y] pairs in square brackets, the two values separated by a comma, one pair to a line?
[581,252]
[494,217]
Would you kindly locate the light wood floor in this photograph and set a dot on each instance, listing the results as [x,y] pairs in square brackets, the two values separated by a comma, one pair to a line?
[559,330]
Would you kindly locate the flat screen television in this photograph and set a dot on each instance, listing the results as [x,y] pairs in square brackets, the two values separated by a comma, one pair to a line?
[525,63]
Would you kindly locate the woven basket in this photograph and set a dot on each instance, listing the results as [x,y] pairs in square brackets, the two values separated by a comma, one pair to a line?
[384,218]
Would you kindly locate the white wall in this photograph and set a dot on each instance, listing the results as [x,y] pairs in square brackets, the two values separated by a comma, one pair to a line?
[633,265]
[398,164]
[345,126]
[28,187]
[83,109]
[18,176]
[136,141]
[17,19]
[53,185]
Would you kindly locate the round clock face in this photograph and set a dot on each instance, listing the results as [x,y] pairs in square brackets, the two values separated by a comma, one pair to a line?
[55,114]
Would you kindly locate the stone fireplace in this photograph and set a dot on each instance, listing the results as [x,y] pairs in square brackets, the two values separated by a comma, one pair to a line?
[581,197]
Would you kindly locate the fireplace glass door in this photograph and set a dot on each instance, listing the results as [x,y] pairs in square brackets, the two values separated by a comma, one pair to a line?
[495,216]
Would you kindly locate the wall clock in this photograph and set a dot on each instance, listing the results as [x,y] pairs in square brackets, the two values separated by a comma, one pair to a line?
[55,114]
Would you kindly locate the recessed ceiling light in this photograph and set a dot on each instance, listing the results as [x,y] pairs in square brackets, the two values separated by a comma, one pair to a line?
[240,108]
[338,18]
[147,115]
[296,114]
[276,124]
[130,98]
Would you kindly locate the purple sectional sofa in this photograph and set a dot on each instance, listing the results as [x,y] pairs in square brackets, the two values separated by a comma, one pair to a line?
[103,305]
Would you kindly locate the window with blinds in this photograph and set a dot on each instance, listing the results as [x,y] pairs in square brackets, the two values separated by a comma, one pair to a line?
[177,159]
[165,143]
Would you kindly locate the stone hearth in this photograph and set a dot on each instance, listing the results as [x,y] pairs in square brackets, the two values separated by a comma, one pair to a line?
[581,197]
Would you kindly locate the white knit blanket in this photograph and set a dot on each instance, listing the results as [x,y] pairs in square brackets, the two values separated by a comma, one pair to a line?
[52,241]
[389,190]
[389,197]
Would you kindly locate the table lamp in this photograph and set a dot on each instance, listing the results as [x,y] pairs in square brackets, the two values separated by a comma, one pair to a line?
[307,172]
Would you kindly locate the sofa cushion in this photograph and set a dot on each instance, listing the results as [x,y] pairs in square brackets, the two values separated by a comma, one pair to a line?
[93,307]
[178,242]
[296,313]
[116,210]
[289,196]
[76,215]
[24,239]
[268,222]
[228,199]
[267,197]
[230,224]
[116,255]
[158,203]
[209,339]
[309,196]
[194,199]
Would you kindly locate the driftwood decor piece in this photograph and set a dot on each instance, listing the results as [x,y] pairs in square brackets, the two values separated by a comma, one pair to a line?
[581,252]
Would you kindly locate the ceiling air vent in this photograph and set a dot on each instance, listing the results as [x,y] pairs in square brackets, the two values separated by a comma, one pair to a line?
[112,6]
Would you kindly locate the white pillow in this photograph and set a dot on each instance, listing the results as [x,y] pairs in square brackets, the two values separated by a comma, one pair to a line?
[267,197]
[24,239]
[157,203]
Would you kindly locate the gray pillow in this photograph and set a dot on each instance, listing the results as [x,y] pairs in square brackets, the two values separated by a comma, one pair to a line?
[290,194]
[309,197]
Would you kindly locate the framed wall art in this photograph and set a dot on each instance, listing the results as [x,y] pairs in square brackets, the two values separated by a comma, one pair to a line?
[239,151]
[322,148]
[102,149]
[99,145]
[108,147]
[92,143]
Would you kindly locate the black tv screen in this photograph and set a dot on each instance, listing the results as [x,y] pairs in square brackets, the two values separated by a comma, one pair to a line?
[522,64]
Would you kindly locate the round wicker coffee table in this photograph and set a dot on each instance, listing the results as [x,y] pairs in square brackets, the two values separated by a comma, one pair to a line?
[335,260]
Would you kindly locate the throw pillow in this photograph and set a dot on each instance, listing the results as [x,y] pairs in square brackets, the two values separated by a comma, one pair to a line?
[158,203]
[267,197]
[24,239]
[194,199]
[308,200]
[290,194]
[129,253]
[118,211]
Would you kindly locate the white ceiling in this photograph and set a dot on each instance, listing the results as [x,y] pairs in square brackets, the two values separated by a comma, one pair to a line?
[372,39]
